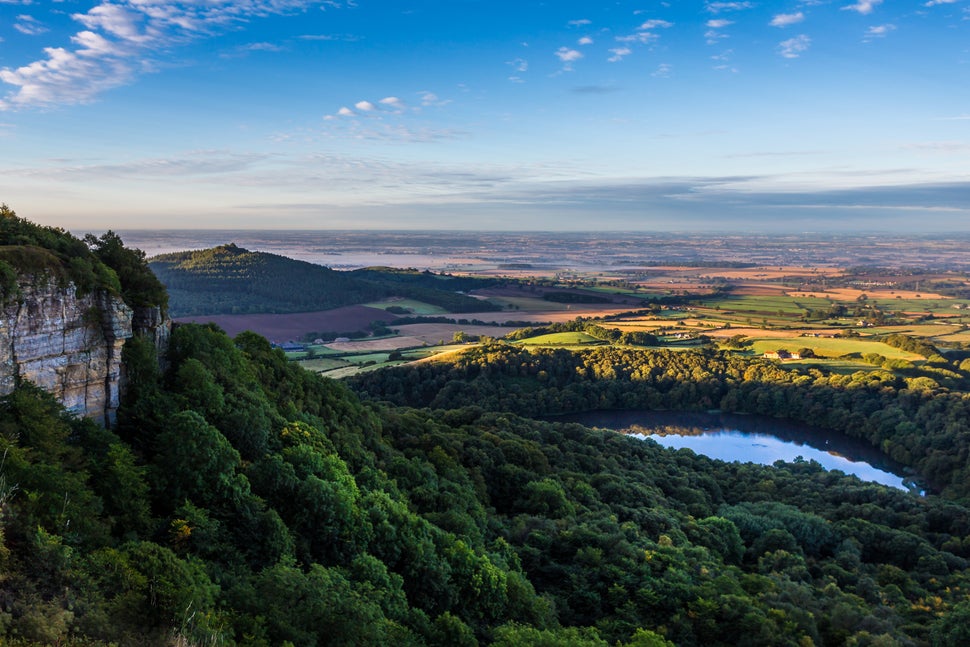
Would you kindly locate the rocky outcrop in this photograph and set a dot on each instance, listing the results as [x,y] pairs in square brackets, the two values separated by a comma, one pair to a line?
[70,344]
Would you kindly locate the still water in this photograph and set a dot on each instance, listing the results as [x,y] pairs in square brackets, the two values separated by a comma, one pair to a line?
[755,439]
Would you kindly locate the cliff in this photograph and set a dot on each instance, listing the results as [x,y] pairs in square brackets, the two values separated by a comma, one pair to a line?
[70,343]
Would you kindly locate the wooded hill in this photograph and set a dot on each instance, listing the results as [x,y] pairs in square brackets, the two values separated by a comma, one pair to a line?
[232,280]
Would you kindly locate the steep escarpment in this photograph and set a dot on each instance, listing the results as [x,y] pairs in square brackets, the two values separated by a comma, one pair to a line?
[66,312]
[66,343]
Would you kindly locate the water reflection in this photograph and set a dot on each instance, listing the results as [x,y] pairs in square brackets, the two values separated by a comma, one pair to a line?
[755,439]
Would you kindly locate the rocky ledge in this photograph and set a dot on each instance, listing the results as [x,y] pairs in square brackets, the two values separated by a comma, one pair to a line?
[70,344]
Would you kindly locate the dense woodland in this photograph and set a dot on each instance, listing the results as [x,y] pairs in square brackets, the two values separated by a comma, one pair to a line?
[232,280]
[914,420]
[241,500]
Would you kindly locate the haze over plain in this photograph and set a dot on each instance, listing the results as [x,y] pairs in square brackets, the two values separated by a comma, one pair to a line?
[688,116]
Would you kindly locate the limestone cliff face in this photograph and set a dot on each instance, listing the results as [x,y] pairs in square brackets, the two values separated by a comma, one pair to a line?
[70,345]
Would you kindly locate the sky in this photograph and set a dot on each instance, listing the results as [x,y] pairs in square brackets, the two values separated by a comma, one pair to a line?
[703,116]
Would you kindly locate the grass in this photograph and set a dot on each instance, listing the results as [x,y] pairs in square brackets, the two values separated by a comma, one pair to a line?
[919,305]
[562,339]
[322,364]
[832,347]
[770,305]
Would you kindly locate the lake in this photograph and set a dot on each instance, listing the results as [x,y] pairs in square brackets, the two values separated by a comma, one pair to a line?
[755,439]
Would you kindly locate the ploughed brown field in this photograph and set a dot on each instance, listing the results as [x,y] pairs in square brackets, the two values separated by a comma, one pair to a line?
[288,327]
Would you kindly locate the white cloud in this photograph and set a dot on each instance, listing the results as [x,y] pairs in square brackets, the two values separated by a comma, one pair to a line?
[619,53]
[786,19]
[712,35]
[122,39]
[392,102]
[639,37]
[519,64]
[432,99]
[29,25]
[793,47]
[585,40]
[663,70]
[654,24]
[863,6]
[346,38]
[718,7]
[880,31]
[345,112]
[568,56]
[365,106]
[263,47]
[933,3]
[580,23]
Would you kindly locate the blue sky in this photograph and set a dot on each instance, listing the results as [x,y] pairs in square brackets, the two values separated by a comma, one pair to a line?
[466,114]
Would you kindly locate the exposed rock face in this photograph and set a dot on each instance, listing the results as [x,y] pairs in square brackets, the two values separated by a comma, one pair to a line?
[70,345]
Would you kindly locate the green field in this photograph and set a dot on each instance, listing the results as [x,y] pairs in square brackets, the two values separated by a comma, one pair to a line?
[940,306]
[562,339]
[769,305]
[831,347]
[322,364]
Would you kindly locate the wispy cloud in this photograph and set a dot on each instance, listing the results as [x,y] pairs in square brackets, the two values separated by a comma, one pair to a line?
[344,38]
[655,24]
[585,40]
[940,147]
[392,102]
[121,40]
[253,47]
[879,31]
[202,163]
[619,53]
[864,7]
[432,99]
[723,61]
[786,19]
[720,7]
[568,57]
[639,37]
[582,22]
[933,3]
[519,65]
[29,25]
[594,89]
[663,71]
[794,47]
[713,33]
